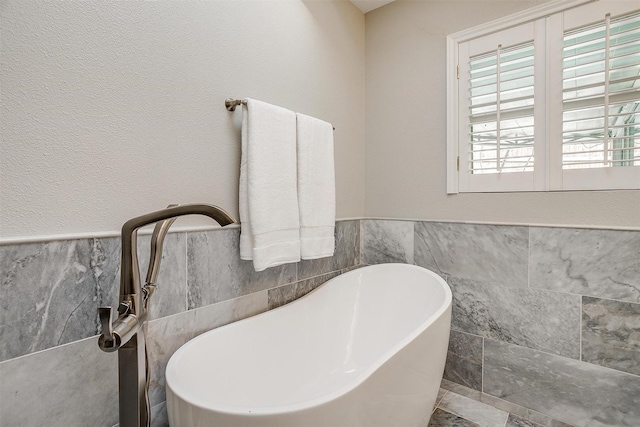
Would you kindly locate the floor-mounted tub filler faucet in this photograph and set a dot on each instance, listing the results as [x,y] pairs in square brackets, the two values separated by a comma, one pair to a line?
[126,334]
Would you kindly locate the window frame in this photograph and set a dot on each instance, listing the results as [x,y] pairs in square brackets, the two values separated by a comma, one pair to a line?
[548,173]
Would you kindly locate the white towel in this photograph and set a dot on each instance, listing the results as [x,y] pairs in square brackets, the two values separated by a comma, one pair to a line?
[316,187]
[270,232]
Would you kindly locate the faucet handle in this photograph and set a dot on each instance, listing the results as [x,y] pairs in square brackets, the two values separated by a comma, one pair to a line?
[107,340]
[124,308]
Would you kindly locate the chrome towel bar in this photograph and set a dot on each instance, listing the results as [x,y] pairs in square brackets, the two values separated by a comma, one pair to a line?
[231,104]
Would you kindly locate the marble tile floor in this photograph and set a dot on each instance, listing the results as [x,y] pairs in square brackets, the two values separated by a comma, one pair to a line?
[459,406]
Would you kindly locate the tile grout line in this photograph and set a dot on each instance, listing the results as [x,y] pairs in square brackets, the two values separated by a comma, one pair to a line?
[186,278]
[529,260]
[611,299]
[554,291]
[580,324]
[413,243]
[482,371]
[437,405]
[362,240]
[552,354]
[467,333]
[360,236]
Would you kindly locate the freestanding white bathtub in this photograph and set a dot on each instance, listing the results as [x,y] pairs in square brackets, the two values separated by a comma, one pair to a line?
[366,348]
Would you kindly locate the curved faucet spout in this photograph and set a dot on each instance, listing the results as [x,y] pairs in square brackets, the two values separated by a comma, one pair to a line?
[127,333]
[131,310]
[130,275]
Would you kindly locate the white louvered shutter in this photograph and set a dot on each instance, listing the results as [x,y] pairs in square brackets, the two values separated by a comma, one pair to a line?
[601,104]
[501,121]
[497,111]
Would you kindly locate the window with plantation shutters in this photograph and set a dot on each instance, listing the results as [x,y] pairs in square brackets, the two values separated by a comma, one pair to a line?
[549,103]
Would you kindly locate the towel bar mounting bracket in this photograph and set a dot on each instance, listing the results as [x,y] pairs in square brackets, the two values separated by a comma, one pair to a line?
[231,103]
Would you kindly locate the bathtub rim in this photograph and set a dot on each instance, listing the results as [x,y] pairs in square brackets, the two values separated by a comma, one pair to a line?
[333,394]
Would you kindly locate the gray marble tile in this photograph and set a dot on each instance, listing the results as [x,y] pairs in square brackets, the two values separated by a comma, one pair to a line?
[441,393]
[159,415]
[460,389]
[441,418]
[520,411]
[472,410]
[514,421]
[494,253]
[599,263]
[49,292]
[611,334]
[286,293]
[168,334]
[170,296]
[361,227]
[216,273]
[387,241]
[464,360]
[105,268]
[347,252]
[538,319]
[70,385]
[355,267]
[568,390]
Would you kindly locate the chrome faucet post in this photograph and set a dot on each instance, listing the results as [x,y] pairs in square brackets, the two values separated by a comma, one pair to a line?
[126,334]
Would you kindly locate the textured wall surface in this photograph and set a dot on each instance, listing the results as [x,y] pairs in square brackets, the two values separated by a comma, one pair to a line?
[50,291]
[544,318]
[113,109]
[405,128]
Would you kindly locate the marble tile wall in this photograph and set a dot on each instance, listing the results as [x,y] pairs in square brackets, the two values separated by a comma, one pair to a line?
[547,318]
[50,291]
[67,385]
[611,334]
[387,241]
[578,393]
[464,364]
[597,263]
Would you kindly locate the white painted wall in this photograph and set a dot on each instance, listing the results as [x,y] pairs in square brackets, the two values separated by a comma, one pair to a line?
[405,127]
[113,109]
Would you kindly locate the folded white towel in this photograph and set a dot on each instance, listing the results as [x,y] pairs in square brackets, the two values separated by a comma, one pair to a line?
[316,187]
[270,232]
